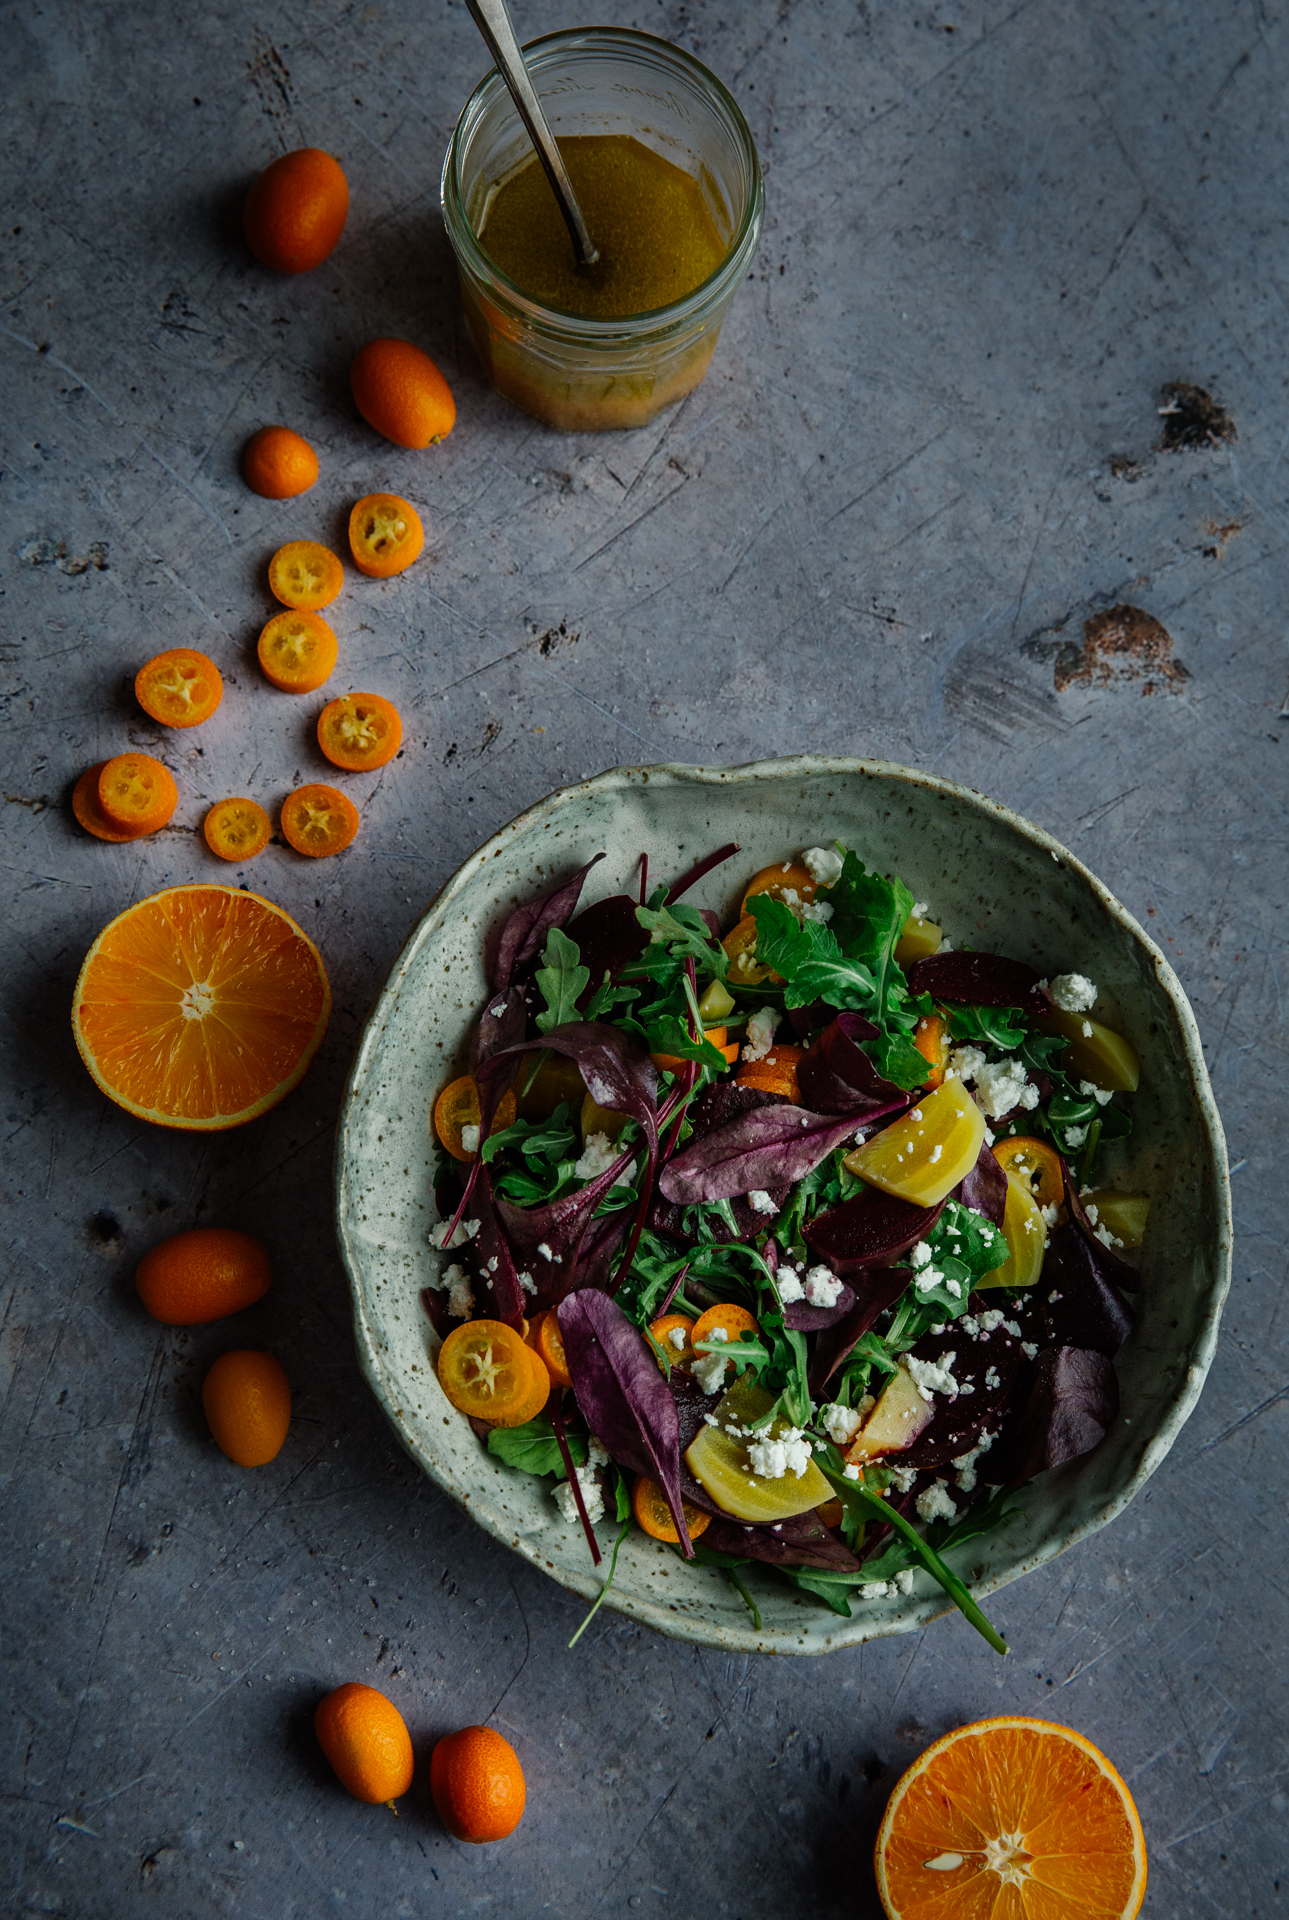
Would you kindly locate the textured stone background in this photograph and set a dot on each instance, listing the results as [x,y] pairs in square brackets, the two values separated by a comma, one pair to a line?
[993,232]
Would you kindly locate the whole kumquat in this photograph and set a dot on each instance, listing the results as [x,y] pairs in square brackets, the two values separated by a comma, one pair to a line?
[200,1007]
[487,1372]
[359,731]
[278,464]
[247,1401]
[136,791]
[297,651]
[399,391]
[318,820]
[179,688]
[203,1275]
[304,573]
[365,1738]
[1012,1817]
[457,1108]
[237,829]
[385,535]
[85,805]
[653,1515]
[296,211]
[478,1785]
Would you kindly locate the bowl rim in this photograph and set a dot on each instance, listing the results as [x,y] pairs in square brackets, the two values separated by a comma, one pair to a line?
[922,1611]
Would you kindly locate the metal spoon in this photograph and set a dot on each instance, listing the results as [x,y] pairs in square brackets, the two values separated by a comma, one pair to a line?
[493,22]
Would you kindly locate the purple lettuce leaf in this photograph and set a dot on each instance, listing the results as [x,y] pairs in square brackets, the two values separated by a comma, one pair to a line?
[837,1076]
[493,1260]
[623,1395]
[699,869]
[985,1187]
[987,1368]
[980,980]
[563,1226]
[713,1107]
[876,1289]
[1111,1263]
[803,1318]
[1073,1398]
[503,1023]
[802,1541]
[770,1147]
[1081,1305]
[608,935]
[524,934]
[871,1230]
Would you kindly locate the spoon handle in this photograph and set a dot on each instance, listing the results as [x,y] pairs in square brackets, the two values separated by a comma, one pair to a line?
[493,22]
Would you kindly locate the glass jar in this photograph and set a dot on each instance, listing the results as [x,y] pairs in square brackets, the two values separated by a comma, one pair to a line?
[575,372]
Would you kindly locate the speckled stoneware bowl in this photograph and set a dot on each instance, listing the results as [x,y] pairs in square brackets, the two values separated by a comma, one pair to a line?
[995,882]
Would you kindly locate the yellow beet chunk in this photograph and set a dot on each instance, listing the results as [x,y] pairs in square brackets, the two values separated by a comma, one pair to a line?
[923,1156]
[597,1119]
[895,1422]
[1025,1232]
[919,940]
[556,1081]
[1122,1214]
[721,1462]
[1096,1053]
[715,1003]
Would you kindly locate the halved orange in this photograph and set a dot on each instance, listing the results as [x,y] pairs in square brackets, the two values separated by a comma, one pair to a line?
[1011,1819]
[200,1007]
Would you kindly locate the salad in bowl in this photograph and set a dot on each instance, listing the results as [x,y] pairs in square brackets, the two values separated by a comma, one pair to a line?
[782,1239]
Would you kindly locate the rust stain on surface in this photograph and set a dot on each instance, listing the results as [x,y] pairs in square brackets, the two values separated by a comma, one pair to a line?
[1192,418]
[1123,643]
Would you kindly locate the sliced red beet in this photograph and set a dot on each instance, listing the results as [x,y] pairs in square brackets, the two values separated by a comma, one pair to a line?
[980,980]
[875,1288]
[837,1076]
[872,1230]
[987,1364]
[1073,1398]
[691,1404]
[803,1318]
[1109,1262]
[608,935]
[802,1541]
[1080,1304]
[985,1187]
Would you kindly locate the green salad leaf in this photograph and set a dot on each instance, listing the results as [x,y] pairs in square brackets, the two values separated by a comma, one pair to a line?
[535,1448]
[560,981]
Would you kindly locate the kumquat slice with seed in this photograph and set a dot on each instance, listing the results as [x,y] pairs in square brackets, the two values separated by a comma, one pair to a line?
[457,1110]
[136,791]
[85,805]
[318,820]
[359,731]
[653,1515]
[385,535]
[488,1373]
[304,573]
[237,829]
[297,651]
[179,688]
[1036,1163]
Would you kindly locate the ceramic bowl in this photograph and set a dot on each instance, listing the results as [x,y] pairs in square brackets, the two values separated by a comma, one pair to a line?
[996,882]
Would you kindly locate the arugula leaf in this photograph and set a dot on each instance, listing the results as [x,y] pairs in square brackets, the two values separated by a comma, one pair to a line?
[966,1237]
[685,935]
[869,1351]
[535,1448]
[607,996]
[868,917]
[981,1026]
[833,1588]
[980,1518]
[897,1060]
[549,1140]
[744,1352]
[964,1246]
[699,1221]
[826,1185]
[810,960]
[669,1034]
[560,981]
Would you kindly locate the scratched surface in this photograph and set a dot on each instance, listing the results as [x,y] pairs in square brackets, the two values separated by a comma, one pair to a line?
[922,460]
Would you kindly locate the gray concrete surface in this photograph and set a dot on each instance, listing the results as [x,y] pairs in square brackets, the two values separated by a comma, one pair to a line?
[994,230]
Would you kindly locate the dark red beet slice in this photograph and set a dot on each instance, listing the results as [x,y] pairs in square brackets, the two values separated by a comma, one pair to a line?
[803,1318]
[875,1289]
[608,935]
[691,1404]
[986,1365]
[979,980]
[801,1541]
[837,1076]
[1073,1397]
[985,1187]
[1080,1304]
[872,1230]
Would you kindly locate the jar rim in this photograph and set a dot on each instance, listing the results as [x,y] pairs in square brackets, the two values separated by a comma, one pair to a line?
[588,328]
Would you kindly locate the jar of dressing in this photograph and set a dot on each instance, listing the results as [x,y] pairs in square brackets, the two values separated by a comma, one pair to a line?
[665,169]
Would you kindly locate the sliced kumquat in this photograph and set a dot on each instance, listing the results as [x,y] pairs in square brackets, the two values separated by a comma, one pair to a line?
[487,1372]
[1036,1163]
[745,969]
[318,820]
[549,1346]
[179,688]
[662,1332]
[790,882]
[359,731]
[831,1513]
[775,1073]
[385,535]
[931,1038]
[456,1116]
[297,651]
[715,1036]
[85,805]
[304,573]
[237,829]
[649,1506]
[729,1320]
[136,791]
[1011,1819]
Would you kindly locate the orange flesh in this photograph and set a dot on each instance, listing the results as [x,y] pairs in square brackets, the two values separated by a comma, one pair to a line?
[304,573]
[237,829]
[549,1345]
[458,1106]
[179,688]
[776,1073]
[318,820]
[297,651]
[359,731]
[653,1515]
[1035,1162]
[385,535]
[85,805]
[134,790]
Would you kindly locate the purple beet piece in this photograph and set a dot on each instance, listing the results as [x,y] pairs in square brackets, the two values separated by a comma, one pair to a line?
[987,1364]
[1073,1398]
[803,1318]
[804,1020]
[1110,1263]
[691,1404]
[871,1230]
[435,1302]
[1081,1305]
[608,935]
[524,934]
[837,1076]
[802,1541]
[758,1150]
[985,1187]
[980,980]
[876,1288]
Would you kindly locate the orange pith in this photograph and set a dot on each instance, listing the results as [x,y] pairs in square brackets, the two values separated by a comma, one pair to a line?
[385,535]
[237,829]
[297,651]
[179,688]
[318,820]
[200,1007]
[359,731]
[1011,1819]
[304,573]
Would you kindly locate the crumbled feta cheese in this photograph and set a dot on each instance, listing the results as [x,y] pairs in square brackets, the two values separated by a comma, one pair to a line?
[1052,1298]
[677,1337]
[992,1380]
[597,1157]
[760,1034]
[544,1250]
[936,1151]
[992,1317]
[1107,1239]
[497,1011]
[527,1282]
[760,1201]
[823,1288]
[1029,1350]
[774,1459]
[1013,1328]
[851,1472]
[709,1371]
[1090,1092]
[841,1424]
[921,911]
[966,1062]
[1091,1210]
[1049,1213]
[928,1279]
[946,946]
[1073,993]
[921,1255]
[904,1580]
[931,1376]
[460,1293]
[1002,1086]
[969,1324]
[873,1590]
[789,1284]
[720,1335]
[824,865]
[494,1263]
[933,1503]
[466,1230]
[902,1478]
[966,1462]
[592,1496]
[820,911]
[470,1139]
[1075,1136]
